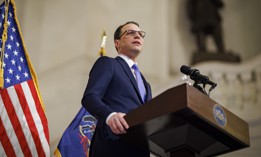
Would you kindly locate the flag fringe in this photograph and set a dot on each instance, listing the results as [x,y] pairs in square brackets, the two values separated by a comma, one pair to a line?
[4,39]
[57,153]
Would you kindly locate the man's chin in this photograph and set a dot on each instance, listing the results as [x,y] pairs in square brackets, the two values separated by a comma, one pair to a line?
[137,50]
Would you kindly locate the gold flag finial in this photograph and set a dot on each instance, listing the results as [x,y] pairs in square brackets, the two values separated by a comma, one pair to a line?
[103,41]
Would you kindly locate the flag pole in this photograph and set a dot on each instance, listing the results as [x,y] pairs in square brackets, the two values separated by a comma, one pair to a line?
[103,41]
[4,38]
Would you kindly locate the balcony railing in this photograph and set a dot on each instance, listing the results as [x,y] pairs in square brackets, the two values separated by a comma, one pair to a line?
[239,84]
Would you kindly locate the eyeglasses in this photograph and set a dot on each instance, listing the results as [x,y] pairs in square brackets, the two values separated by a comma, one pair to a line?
[133,33]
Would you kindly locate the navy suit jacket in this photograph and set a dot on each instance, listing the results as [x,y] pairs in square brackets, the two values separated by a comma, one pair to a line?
[111,88]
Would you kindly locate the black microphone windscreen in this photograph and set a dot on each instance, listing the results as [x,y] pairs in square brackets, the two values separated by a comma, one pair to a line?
[185,69]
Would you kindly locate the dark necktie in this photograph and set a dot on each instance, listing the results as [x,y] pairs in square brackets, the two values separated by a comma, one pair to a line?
[139,82]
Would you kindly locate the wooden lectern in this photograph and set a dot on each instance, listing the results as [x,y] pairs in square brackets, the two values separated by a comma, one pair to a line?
[184,122]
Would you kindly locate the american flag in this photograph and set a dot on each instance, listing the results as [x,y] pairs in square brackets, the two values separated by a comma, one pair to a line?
[23,124]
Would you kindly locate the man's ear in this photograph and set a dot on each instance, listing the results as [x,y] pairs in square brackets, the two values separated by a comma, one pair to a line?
[116,42]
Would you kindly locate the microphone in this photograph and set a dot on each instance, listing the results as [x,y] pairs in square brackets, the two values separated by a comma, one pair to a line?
[197,77]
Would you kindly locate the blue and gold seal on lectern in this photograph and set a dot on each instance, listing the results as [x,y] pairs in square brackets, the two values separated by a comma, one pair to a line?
[220,115]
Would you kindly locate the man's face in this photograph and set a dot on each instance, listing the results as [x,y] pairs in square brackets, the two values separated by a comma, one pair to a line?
[130,42]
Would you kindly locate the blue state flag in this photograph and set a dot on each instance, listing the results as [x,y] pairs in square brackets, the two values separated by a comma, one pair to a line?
[77,137]
[76,140]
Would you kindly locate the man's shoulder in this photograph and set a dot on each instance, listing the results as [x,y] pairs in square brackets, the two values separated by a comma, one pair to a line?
[106,62]
[106,59]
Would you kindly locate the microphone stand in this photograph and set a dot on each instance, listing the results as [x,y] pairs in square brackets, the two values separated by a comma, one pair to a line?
[202,89]
[196,85]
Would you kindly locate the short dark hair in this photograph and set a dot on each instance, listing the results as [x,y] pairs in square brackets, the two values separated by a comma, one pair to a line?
[117,33]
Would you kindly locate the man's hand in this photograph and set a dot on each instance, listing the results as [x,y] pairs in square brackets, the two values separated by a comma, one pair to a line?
[118,124]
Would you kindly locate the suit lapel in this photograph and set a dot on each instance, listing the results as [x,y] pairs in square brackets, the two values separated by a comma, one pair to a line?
[130,75]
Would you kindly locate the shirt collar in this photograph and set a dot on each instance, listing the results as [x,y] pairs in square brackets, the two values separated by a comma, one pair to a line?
[127,60]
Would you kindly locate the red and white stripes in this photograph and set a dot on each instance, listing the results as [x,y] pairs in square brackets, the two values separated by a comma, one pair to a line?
[23,124]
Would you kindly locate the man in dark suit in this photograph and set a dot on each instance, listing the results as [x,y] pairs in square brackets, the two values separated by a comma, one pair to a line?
[113,90]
